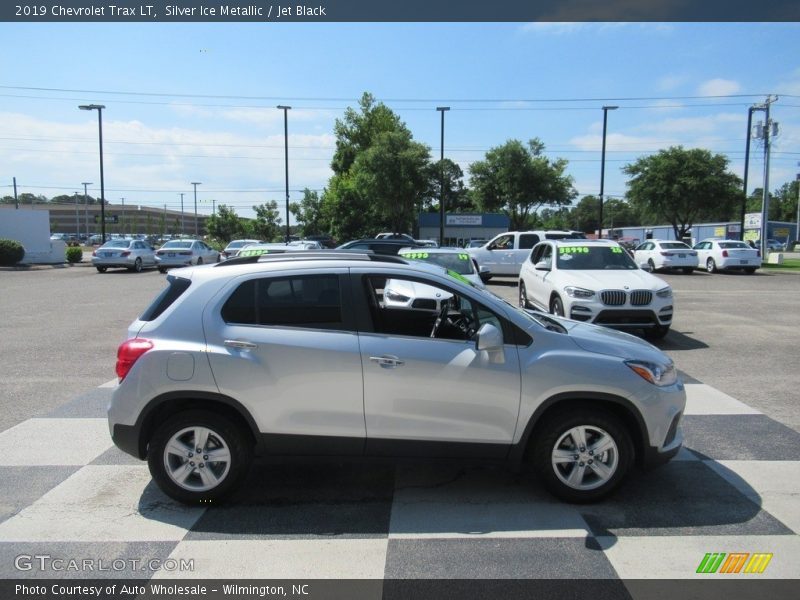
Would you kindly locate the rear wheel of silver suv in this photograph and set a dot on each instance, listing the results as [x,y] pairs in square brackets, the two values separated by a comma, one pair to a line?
[582,455]
[198,457]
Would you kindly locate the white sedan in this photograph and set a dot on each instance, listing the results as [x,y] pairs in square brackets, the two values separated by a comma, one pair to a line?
[723,255]
[665,254]
[182,253]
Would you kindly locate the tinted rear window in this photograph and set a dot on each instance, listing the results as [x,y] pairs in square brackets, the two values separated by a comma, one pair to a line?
[733,245]
[176,287]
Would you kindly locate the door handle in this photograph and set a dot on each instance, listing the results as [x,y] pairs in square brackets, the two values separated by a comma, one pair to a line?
[240,344]
[387,362]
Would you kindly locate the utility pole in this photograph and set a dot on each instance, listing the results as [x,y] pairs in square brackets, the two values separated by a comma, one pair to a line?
[766,131]
[123,217]
[797,231]
[77,220]
[442,110]
[286,110]
[16,200]
[183,228]
[195,184]
[746,168]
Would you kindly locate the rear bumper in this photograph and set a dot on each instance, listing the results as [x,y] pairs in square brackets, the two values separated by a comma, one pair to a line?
[126,438]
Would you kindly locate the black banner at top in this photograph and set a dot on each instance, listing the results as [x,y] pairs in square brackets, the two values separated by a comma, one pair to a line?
[125,11]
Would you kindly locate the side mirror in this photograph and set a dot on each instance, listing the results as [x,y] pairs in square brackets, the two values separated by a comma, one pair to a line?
[489,338]
[542,265]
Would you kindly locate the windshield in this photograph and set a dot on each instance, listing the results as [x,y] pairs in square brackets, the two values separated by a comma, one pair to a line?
[452,261]
[594,258]
[240,243]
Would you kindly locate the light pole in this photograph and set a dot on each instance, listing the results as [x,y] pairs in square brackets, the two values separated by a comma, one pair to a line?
[99,108]
[286,110]
[122,225]
[195,184]
[183,228]
[77,219]
[442,110]
[85,184]
[750,111]
[603,166]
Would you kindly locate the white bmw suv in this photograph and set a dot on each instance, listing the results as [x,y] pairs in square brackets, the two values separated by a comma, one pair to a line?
[595,281]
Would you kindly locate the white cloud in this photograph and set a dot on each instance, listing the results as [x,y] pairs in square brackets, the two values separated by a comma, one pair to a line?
[668,83]
[719,87]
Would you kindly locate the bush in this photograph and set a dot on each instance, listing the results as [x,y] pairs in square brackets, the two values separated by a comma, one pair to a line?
[11,252]
[74,254]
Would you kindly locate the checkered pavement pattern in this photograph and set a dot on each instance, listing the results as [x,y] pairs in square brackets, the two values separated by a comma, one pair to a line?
[735,487]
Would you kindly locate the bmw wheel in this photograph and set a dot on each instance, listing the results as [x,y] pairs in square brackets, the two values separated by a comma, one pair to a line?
[557,307]
[651,265]
[523,295]
[197,457]
[582,455]
[102,269]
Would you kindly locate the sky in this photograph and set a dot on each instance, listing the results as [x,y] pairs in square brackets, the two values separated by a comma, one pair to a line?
[197,101]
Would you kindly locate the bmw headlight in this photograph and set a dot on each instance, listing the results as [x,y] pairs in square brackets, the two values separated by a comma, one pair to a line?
[395,297]
[576,292]
[664,292]
[660,375]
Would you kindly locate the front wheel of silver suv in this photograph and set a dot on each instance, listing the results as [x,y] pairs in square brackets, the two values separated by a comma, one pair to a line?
[198,456]
[582,455]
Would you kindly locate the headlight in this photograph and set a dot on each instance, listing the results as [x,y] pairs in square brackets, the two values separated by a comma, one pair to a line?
[576,292]
[664,292]
[395,297]
[660,375]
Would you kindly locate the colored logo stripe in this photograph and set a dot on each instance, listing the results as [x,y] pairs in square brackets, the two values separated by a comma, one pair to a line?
[713,562]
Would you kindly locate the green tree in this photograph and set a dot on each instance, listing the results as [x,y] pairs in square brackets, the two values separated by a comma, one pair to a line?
[782,202]
[225,225]
[309,214]
[518,179]
[457,195]
[380,174]
[683,187]
[267,224]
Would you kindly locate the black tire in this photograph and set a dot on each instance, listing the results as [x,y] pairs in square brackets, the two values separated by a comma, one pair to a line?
[223,434]
[523,295]
[651,265]
[687,270]
[137,266]
[102,269]
[656,333]
[199,260]
[711,266]
[553,435]
[557,307]
[162,270]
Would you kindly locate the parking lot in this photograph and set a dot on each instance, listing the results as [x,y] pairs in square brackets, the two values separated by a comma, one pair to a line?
[733,489]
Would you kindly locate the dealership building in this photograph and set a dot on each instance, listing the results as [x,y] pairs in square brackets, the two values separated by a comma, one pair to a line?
[460,228]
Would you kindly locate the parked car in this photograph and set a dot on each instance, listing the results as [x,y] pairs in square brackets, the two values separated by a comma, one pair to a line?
[716,255]
[134,255]
[382,246]
[262,248]
[775,246]
[301,356]
[595,281]
[665,254]
[453,259]
[306,245]
[232,249]
[505,253]
[326,240]
[387,235]
[180,253]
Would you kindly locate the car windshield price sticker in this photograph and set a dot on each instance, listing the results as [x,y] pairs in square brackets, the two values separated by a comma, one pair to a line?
[573,250]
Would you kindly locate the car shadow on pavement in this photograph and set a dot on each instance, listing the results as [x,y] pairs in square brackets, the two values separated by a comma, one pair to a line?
[677,340]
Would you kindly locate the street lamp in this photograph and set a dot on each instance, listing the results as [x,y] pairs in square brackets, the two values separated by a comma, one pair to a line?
[183,229]
[123,217]
[195,184]
[286,110]
[603,166]
[86,206]
[442,110]
[99,108]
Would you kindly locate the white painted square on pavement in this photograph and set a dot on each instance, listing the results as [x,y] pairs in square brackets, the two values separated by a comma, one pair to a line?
[102,503]
[54,442]
[772,484]
[360,558]
[702,399]
[678,557]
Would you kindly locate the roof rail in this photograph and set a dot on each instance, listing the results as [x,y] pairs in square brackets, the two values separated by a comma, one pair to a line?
[301,255]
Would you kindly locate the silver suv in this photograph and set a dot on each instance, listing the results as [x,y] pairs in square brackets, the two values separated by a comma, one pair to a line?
[299,354]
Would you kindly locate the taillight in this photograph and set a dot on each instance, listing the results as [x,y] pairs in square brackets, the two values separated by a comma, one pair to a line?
[129,352]
[725,253]
[125,253]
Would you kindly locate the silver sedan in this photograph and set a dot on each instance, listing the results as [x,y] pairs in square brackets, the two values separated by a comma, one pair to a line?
[128,254]
[182,253]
